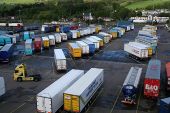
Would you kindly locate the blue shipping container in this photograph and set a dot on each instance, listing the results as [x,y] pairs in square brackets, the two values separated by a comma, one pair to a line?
[7,40]
[28,52]
[91,46]
[6,52]
[165,105]
[26,35]
[2,42]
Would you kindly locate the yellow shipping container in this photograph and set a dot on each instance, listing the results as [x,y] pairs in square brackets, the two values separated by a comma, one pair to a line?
[46,42]
[114,34]
[150,51]
[78,34]
[75,50]
[67,102]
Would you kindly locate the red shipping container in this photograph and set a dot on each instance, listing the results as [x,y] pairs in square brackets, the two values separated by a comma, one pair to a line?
[168,76]
[152,79]
[37,44]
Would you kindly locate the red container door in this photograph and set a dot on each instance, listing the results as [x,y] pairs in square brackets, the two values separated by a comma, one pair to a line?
[151,87]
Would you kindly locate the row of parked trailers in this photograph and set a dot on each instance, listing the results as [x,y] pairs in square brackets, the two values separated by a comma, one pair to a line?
[151,82]
[145,43]
[68,91]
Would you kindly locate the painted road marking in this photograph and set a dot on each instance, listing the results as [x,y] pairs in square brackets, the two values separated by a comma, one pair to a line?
[30,99]
[119,92]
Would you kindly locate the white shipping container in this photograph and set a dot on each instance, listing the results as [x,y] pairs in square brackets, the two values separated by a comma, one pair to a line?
[58,37]
[94,42]
[83,89]
[138,51]
[74,33]
[63,36]
[51,98]
[52,40]
[92,29]
[2,86]
[84,47]
[43,27]
[60,59]
[28,44]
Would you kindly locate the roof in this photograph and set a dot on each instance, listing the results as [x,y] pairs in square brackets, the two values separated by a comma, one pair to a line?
[133,76]
[45,38]
[51,37]
[154,69]
[81,84]
[6,47]
[74,45]
[96,38]
[166,100]
[61,83]
[139,44]
[28,41]
[87,41]
[58,54]
[37,39]
[81,43]
[136,46]
[168,69]
[63,34]
[92,40]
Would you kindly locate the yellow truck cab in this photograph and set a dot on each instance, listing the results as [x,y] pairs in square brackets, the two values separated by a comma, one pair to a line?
[20,74]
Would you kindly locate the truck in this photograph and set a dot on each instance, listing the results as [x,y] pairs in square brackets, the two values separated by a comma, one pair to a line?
[130,85]
[20,74]
[50,99]
[28,47]
[164,105]
[167,76]
[51,40]
[2,86]
[147,34]
[95,42]
[78,95]
[138,52]
[75,50]
[91,46]
[84,47]
[60,59]
[152,79]
[37,44]
[6,52]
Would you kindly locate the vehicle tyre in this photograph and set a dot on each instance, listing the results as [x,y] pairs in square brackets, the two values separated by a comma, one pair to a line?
[36,79]
[19,79]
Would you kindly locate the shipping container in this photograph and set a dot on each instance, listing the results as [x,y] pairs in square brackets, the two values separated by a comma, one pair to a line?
[101,42]
[120,31]
[144,46]
[58,38]
[2,41]
[7,39]
[92,29]
[130,85]
[114,33]
[52,40]
[2,86]
[28,47]
[153,32]
[73,34]
[6,52]
[152,79]
[43,27]
[78,34]
[26,35]
[60,59]
[98,28]
[91,46]
[147,41]
[13,37]
[32,34]
[147,34]
[84,47]
[167,76]
[45,42]
[151,27]
[65,29]
[50,99]
[37,44]
[107,37]
[75,50]
[136,51]
[164,105]
[78,95]
[63,36]
[94,42]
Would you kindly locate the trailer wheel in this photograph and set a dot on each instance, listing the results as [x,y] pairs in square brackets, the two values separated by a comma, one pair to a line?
[36,79]
[19,79]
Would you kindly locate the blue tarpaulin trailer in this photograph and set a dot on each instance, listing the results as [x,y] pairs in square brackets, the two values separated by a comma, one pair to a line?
[6,52]
[165,105]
